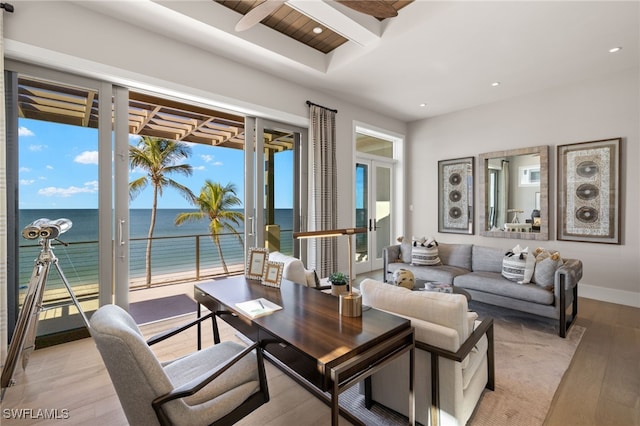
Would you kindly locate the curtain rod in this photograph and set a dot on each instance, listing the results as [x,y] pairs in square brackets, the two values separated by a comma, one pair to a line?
[6,6]
[332,110]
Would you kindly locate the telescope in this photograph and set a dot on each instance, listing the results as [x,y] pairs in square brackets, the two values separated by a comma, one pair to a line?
[45,228]
[24,335]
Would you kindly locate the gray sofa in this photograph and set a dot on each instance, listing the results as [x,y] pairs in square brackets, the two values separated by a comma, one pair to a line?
[478,270]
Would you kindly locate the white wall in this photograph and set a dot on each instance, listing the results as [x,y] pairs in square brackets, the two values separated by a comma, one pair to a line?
[607,107]
[65,36]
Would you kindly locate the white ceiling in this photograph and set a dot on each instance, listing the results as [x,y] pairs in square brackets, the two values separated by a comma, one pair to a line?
[445,54]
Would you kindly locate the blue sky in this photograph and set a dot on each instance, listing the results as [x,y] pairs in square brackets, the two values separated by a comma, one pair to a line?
[58,169]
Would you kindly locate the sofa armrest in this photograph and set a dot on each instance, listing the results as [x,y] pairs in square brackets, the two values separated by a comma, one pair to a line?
[572,272]
[389,255]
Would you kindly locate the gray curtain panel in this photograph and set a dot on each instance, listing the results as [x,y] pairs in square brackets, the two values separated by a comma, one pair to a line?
[323,210]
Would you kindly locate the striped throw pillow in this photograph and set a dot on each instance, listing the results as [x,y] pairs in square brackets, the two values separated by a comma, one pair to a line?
[518,266]
[425,254]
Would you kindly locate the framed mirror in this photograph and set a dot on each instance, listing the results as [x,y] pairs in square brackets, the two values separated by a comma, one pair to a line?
[514,193]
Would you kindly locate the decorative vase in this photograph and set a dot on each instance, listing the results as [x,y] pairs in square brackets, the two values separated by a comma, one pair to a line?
[404,278]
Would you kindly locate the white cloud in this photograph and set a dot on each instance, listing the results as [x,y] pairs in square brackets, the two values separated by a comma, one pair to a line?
[87,157]
[218,163]
[24,170]
[52,191]
[200,168]
[27,181]
[23,131]
[49,167]
[37,147]
[207,158]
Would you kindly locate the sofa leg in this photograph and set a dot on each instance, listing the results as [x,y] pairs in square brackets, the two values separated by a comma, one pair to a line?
[564,325]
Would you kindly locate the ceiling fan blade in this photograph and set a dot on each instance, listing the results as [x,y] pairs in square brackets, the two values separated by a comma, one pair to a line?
[258,13]
[376,8]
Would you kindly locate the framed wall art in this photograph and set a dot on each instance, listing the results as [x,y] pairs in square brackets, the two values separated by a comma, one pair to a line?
[273,274]
[256,263]
[455,196]
[589,191]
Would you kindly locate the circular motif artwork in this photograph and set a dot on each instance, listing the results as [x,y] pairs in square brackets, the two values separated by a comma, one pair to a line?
[455,212]
[455,179]
[587,214]
[587,169]
[455,196]
[587,191]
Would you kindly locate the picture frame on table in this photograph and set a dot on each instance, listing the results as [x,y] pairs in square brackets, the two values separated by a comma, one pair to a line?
[456,196]
[256,262]
[589,191]
[273,274]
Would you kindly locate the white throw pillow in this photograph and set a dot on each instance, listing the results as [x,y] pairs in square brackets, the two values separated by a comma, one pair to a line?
[518,265]
[425,253]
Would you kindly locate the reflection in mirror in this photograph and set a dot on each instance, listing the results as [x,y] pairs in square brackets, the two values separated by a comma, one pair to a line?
[514,193]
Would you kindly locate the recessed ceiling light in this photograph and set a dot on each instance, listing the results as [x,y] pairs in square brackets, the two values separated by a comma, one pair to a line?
[317,30]
[495,84]
[422,105]
[615,49]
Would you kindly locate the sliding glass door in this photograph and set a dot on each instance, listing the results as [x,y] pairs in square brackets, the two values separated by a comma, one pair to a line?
[69,154]
[275,184]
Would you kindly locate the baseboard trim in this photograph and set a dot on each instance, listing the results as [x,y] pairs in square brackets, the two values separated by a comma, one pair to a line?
[611,295]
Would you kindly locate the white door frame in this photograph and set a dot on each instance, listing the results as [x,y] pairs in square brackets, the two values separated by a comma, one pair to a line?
[397,180]
[254,155]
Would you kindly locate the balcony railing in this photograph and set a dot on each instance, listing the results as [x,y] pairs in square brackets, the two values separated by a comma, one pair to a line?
[173,259]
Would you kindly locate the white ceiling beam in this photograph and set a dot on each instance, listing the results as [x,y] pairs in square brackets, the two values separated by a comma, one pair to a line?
[357,27]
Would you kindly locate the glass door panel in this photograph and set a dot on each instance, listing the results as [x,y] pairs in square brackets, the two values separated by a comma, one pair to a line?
[362,215]
[373,210]
[382,221]
[58,149]
[275,182]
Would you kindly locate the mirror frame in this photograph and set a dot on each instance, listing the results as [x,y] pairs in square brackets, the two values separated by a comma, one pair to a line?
[543,235]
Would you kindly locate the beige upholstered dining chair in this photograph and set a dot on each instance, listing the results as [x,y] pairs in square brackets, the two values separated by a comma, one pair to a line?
[218,385]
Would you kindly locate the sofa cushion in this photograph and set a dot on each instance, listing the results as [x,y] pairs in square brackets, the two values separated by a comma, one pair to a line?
[487,259]
[439,273]
[455,255]
[405,250]
[493,282]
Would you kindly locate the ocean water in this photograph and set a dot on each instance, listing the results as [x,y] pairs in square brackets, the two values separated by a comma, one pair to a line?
[173,247]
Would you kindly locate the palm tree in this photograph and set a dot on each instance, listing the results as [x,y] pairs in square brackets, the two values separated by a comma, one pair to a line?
[159,158]
[215,203]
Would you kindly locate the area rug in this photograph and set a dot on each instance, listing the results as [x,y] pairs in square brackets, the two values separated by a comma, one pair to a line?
[530,361]
[162,308]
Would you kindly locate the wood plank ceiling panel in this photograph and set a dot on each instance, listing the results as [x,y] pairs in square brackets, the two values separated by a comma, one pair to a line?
[148,115]
[300,27]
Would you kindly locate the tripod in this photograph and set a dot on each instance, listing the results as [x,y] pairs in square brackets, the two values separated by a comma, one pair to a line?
[23,340]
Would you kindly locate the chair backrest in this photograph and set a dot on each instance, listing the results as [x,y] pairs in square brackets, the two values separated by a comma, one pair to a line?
[447,310]
[136,373]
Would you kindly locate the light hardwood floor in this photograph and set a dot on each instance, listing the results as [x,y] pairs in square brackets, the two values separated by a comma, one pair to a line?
[601,387]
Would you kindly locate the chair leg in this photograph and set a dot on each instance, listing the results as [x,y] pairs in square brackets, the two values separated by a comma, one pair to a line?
[491,381]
